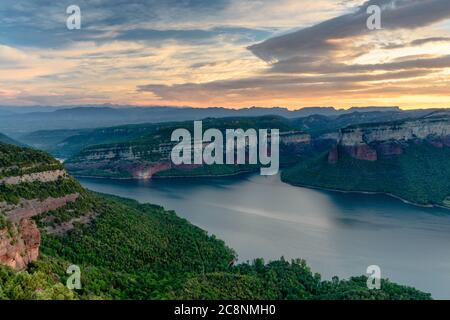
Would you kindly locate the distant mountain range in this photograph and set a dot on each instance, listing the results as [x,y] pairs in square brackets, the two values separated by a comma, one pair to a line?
[16,121]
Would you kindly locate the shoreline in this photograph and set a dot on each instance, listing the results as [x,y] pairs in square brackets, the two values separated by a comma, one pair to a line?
[168,177]
[207,175]
[430,206]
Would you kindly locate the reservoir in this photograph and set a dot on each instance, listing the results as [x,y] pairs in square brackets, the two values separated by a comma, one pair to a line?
[336,233]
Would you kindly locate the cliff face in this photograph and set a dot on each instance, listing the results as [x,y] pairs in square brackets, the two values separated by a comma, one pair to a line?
[137,161]
[118,168]
[46,176]
[408,130]
[21,200]
[20,240]
[30,208]
[112,153]
[19,244]
[377,140]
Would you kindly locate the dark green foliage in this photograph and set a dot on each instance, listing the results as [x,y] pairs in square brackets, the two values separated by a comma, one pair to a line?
[31,285]
[134,251]
[141,251]
[16,156]
[103,283]
[3,222]
[356,289]
[165,242]
[15,161]
[222,286]
[282,280]
[83,206]
[39,190]
[420,175]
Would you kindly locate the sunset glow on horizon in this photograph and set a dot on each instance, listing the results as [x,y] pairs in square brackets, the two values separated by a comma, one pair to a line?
[226,53]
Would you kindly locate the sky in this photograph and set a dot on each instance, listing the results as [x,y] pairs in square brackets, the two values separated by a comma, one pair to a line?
[228,53]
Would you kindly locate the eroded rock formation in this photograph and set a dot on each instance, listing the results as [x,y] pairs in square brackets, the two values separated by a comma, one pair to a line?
[30,208]
[333,155]
[19,236]
[47,176]
[19,244]
[370,142]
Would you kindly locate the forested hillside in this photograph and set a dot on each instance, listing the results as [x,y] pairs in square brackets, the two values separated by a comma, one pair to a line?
[127,250]
[407,159]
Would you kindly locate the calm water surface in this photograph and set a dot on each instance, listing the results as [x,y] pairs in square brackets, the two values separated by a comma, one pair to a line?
[338,234]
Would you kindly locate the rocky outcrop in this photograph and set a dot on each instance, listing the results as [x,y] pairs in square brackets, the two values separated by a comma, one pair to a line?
[99,154]
[125,152]
[29,208]
[21,199]
[46,176]
[19,244]
[140,161]
[404,131]
[370,142]
[20,241]
[140,170]
[146,171]
[333,155]
[64,227]
[362,152]
[294,137]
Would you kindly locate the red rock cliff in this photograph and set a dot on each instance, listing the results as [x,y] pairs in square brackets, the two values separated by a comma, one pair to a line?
[371,141]
[19,244]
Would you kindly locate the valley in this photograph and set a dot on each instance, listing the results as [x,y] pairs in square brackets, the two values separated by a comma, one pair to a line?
[406,157]
[185,152]
[338,234]
[49,220]
[128,250]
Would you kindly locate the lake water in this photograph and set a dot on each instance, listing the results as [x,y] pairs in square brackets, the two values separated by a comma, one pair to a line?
[338,234]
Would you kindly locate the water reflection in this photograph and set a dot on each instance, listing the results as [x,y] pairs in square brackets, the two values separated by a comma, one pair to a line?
[337,233]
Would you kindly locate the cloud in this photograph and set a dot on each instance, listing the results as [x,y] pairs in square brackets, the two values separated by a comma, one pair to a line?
[419,42]
[247,88]
[43,23]
[318,39]
[338,57]
[299,66]
[195,52]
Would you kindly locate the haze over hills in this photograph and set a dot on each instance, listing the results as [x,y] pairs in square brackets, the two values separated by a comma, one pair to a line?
[318,151]
[18,121]
[64,143]
[8,140]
